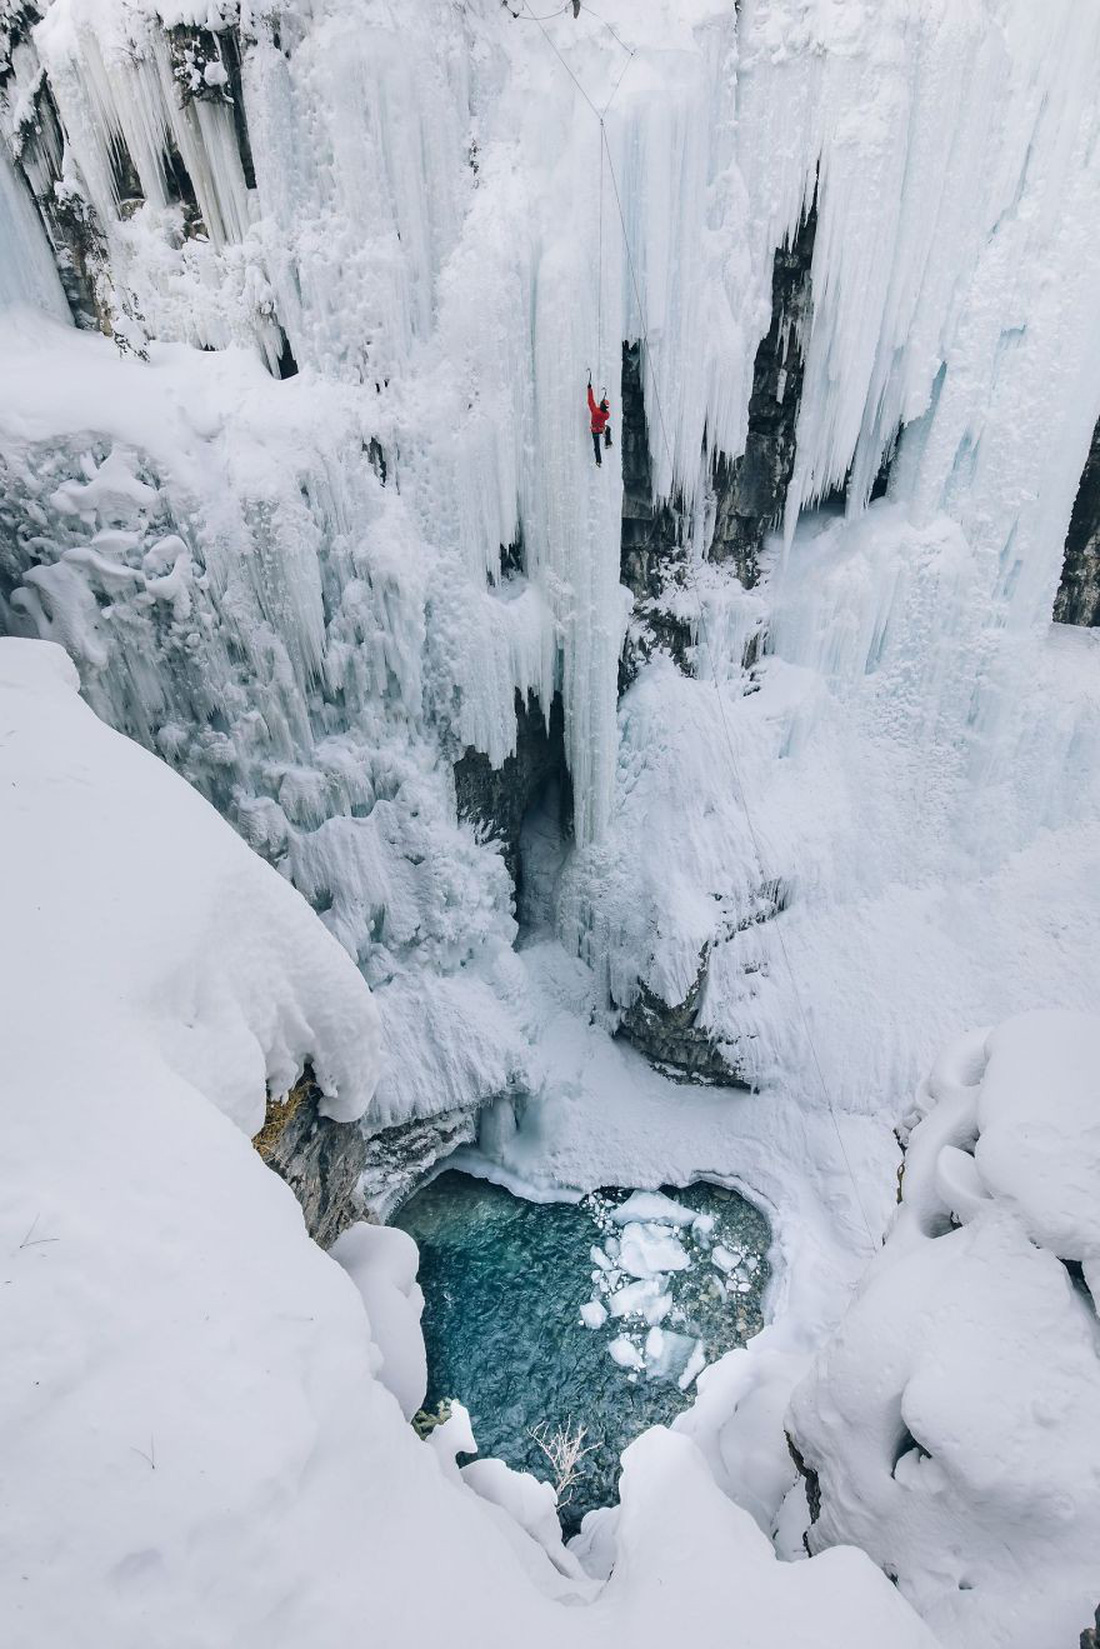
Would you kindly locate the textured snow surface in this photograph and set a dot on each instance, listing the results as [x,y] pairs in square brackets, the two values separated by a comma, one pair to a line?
[954,1419]
[197,1449]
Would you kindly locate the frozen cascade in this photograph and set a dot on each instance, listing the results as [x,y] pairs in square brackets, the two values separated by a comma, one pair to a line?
[301,596]
[307,495]
[27,270]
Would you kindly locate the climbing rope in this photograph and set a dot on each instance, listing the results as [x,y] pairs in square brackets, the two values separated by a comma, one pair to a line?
[599,272]
[600,114]
[740,795]
[603,20]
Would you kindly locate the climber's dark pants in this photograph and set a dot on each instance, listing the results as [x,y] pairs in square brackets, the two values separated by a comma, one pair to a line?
[596,447]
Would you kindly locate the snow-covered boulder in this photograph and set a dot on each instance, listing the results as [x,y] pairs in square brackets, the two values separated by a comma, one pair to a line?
[953,1423]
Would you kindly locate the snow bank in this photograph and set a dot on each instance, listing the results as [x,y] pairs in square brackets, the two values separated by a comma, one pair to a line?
[196,1446]
[954,1420]
[382,1263]
[213,960]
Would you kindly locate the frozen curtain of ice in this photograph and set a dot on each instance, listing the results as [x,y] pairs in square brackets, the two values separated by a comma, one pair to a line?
[295,588]
[320,503]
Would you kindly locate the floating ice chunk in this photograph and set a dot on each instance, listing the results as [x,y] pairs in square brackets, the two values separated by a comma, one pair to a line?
[744,1288]
[598,1257]
[668,1357]
[625,1353]
[695,1365]
[657,1308]
[644,1298]
[648,1206]
[647,1250]
[723,1259]
[593,1314]
[702,1227]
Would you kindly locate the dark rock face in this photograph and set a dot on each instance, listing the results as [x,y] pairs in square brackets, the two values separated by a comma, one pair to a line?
[193,51]
[1090,1637]
[751,490]
[339,1172]
[499,799]
[399,1159]
[322,1161]
[670,1035]
[651,563]
[673,1042]
[811,1479]
[1078,598]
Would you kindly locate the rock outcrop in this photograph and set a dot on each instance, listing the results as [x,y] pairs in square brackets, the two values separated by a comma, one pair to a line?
[1078,598]
[400,1159]
[671,1038]
[321,1160]
[751,490]
[651,563]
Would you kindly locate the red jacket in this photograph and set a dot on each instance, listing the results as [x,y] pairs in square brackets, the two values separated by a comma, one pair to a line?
[600,418]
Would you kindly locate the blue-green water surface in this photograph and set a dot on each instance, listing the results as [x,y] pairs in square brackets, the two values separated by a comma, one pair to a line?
[504,1281]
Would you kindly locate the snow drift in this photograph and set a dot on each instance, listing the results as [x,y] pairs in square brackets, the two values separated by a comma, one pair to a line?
[954,1420]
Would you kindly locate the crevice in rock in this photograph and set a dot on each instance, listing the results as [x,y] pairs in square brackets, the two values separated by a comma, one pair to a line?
[907,1444]
[180,189]
[1078,598]
[286,366]
[651,559]
[376,454]
[124,177]
[231,57]
[750,491]
[513,556]
[1079,1283]
[813,1486]
[498,800]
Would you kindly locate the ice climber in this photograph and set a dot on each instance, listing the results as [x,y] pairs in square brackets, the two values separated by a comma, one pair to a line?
[601,415]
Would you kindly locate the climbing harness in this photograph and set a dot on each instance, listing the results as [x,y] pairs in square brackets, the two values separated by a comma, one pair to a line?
[605,150]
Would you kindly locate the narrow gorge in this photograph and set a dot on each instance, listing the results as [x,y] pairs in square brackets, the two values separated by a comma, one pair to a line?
[549,1003]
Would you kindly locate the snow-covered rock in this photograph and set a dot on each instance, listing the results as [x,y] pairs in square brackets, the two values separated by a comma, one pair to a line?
[953,1422]
[382,1262]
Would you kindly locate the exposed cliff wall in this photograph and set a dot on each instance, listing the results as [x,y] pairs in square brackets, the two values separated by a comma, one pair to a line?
[751,489]
[1078,598]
